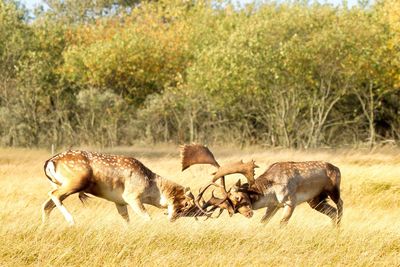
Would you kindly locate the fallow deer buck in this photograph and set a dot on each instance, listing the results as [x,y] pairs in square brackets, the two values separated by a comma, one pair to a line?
[122,180]
[283,184]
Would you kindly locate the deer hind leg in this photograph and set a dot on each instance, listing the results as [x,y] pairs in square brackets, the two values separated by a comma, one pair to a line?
[137,205]
[59,194]
[47,207]
[123,211]
[269,213]
[319,204]
[335,196]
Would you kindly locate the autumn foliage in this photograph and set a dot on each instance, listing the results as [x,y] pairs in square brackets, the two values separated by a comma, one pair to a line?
[277,74]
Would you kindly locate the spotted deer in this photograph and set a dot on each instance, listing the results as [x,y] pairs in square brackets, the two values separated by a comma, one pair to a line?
[122,180]
[283,184]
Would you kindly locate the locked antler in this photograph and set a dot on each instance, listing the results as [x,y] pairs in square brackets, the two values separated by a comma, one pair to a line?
[200,154]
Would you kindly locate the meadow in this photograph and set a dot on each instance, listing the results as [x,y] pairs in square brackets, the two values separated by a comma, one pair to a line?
[369,235]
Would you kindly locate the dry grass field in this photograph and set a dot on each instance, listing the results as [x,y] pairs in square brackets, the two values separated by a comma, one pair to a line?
[369,236]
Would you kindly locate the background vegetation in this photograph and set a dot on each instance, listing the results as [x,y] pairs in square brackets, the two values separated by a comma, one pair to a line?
[289,74]
[369,236]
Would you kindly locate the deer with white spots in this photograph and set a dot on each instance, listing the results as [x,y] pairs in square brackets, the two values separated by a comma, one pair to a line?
[288,184]
[283,184]
[122,180]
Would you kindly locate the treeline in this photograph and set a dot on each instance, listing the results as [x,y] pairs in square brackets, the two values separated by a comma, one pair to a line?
[287,74]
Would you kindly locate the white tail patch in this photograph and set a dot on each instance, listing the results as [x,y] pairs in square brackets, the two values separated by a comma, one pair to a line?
[51,171]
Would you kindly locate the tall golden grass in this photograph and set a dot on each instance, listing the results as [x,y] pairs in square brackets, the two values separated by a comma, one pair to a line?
[369,236]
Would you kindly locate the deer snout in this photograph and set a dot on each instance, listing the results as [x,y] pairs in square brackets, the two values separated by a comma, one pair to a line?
[246,211]
[249,214]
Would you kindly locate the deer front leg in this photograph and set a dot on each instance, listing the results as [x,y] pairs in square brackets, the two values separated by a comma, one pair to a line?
[123,211]
[269,213]
[287,213]
[137,205]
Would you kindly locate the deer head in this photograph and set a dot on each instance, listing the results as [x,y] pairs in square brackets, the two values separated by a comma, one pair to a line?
[241,200]
[184,205]
[235,199]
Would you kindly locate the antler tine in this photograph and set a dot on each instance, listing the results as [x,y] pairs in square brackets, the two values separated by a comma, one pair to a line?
[247,169]
[200,154]
[200,195]
[216,203]
[196,154]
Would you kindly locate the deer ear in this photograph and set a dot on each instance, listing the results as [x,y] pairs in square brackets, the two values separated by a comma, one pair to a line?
[188,193]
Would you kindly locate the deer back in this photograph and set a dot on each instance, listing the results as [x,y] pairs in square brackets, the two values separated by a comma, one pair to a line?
[299,176]
[90,168]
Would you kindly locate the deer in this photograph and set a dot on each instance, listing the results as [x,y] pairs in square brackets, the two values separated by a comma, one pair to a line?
[119,179]
[283,185]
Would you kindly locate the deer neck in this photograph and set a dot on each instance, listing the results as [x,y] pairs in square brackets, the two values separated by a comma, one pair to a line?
[168,189]
[262,187]
[263,194]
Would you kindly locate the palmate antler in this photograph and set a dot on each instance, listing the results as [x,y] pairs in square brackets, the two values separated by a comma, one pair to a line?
[196,154]
[200,154]
[247,169]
